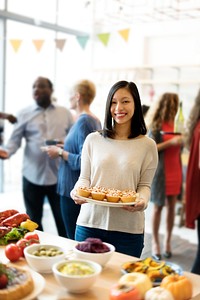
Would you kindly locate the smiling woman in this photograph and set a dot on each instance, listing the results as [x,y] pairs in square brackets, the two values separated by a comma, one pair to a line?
[125,149]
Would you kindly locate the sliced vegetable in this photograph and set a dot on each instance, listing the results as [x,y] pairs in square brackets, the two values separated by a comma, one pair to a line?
[30,225]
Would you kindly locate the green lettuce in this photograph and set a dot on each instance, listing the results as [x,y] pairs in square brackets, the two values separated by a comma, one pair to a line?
[14,235]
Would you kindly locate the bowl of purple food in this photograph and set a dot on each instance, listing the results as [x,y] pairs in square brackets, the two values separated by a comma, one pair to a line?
[94,249]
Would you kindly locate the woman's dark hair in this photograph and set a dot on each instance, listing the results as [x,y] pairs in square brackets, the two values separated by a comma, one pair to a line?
[145,109]
[137,124]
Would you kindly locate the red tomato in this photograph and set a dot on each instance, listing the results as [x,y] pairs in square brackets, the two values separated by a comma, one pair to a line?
[12,252]
[34,241]
[23,243]
[3,281]
[31,236]
[124,292]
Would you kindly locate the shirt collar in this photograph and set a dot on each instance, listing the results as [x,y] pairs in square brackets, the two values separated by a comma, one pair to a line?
[37,107]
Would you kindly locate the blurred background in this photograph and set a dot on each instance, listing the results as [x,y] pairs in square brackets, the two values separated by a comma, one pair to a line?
[155,43]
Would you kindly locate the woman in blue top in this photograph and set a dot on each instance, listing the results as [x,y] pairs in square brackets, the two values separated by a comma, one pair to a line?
[69,170]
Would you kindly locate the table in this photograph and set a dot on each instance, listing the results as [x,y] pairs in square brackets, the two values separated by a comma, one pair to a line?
[100,291]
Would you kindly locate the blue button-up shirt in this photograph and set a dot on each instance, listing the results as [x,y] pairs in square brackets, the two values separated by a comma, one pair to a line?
[36,124]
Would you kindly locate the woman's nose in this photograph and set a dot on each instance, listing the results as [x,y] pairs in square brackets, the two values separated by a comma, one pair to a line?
[118,106]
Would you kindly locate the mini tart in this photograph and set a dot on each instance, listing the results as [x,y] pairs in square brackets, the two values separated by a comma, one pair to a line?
[127,199]
[83,192]
[128,196]
[19,286]
[98,195]
[113,195]
[112,198]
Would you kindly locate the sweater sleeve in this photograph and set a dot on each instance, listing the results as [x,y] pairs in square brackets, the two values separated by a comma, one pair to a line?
[147,172]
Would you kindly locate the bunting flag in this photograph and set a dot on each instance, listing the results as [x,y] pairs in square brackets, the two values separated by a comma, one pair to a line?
[60,43]
[124,34]
[82,40]
[38,44]
[104,38]
[16,44]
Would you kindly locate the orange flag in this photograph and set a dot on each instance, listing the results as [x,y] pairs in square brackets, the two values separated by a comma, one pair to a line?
[38,44]
[60,43]
[124,34]
[16,44]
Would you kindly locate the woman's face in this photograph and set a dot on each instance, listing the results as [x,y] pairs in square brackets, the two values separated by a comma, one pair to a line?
[73,99]
[122,106]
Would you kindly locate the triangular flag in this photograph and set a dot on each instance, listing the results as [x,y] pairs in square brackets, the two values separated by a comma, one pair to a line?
[82,40]
[104,38]
[124,34]
[38,44]
[16,44]
[60,43]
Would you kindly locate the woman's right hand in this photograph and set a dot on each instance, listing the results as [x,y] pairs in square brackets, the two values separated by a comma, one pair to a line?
[177,140]
[76,198]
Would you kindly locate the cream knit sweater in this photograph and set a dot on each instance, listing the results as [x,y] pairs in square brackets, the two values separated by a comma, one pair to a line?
[120,164]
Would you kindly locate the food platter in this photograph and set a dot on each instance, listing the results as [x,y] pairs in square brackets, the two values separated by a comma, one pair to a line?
[39,283]
[106,203]
[156,282]
[177,269]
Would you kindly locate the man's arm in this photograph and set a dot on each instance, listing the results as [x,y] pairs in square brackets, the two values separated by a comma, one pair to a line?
[12,119]
[3,154]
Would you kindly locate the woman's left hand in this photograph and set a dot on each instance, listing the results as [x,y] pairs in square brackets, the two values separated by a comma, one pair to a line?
[138,206]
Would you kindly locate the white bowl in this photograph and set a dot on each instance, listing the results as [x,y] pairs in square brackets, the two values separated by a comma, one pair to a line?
[76,283]
[42,264]
[100,258]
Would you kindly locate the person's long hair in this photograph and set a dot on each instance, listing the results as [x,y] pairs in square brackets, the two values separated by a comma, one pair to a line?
[193,118]
[137,123]
[165,111]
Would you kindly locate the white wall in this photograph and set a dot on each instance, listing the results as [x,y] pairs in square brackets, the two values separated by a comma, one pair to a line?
[163,44]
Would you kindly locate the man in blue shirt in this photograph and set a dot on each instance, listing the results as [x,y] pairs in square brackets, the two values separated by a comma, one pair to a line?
[41,121]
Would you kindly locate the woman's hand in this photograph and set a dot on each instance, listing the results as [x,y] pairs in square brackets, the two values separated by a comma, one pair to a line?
[76,198]
[177,140]
[52,151]
[138,206]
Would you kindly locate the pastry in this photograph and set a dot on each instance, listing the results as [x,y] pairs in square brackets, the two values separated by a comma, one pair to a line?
[98,193]
[19,285]
[128,196]
[83,191]
[113,195]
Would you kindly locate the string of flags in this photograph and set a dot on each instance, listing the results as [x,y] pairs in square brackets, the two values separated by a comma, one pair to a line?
[60,43]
